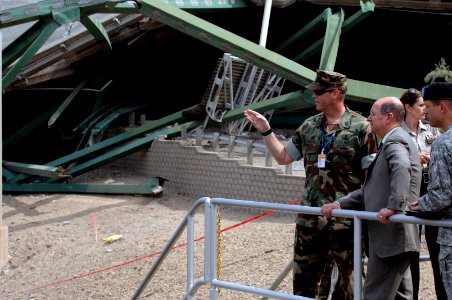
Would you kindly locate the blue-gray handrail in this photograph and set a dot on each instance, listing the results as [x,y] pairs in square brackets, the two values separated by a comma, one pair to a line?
[210,248]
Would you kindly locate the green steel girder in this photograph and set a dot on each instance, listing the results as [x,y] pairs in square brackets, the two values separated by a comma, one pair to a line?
[28,46]
[221,39]
[8,175]
[100,124]
[66,14]
[93,119]
[95,110]
[98,31]
[37,43]
[66,103]
[207,5]
[75,44]
[50,186]
[359,16]
[344,27]
[101,94]
[335,25]
[120,139]
[36,11]
[49,114]
[33,169]
[20,44]
[307,29]
[253,53]
[127,149]
[368,92]
[146,188]
[281,67]
[103,125]
[294,98]
[331,41]
[99,114]
[97,106]
[53,13]
[226,41]
[62,12]
[48,9]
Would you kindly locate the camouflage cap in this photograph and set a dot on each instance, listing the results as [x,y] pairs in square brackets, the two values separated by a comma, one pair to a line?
[327,79]
[437,91]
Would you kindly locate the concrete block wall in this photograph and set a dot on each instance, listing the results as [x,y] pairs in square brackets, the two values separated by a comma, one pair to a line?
[195,171]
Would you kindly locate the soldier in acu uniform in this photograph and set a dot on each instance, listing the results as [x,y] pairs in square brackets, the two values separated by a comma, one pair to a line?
[336,146]
[438,100]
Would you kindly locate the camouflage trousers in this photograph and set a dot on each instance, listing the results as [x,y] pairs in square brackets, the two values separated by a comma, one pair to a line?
[315,252]
[445,267]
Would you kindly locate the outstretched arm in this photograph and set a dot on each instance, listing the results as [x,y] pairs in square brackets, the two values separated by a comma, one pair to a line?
[274,145]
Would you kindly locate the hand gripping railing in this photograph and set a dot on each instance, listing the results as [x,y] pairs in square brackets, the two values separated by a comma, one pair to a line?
[210,245]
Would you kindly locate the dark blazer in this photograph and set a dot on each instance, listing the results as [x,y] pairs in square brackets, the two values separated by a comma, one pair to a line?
[393,181]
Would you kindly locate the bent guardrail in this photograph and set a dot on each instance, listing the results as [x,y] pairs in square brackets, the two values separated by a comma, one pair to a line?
[210,245]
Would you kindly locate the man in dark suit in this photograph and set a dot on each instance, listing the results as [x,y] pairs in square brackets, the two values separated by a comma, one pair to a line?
[392,183]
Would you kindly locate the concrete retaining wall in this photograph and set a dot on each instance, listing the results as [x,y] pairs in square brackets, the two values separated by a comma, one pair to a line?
[194,171]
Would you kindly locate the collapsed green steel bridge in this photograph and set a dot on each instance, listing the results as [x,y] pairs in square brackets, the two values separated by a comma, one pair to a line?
[24,62]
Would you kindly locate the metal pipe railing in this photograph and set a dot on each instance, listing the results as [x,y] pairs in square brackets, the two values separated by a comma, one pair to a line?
[210,248]
[168,247]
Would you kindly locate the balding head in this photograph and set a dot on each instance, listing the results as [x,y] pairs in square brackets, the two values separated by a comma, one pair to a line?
[386,114]
[393,105]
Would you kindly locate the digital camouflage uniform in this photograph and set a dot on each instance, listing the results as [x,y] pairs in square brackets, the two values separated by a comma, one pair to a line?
[440,197]
[320,241]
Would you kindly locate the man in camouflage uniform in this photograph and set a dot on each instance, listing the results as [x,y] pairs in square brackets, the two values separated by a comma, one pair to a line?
[336,146]
[438,100]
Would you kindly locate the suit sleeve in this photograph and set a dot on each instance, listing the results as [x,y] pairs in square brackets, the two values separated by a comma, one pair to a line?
[399,166]
[353,200]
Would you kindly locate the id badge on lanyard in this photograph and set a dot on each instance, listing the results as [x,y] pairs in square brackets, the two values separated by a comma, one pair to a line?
[321,158]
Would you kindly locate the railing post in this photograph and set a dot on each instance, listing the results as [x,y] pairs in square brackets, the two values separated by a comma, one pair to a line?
[190,251]
[211,248]
[211,245]
[357,257]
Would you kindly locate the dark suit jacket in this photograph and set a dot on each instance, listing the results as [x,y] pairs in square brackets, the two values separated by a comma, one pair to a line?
[393,181]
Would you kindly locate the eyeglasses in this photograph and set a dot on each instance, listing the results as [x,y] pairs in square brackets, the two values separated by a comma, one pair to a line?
[320,92]
[371,113]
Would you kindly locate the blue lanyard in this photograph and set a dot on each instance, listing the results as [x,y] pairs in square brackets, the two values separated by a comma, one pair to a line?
[328,142]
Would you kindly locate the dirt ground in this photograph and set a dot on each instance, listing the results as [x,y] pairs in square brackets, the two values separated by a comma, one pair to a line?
[56,247]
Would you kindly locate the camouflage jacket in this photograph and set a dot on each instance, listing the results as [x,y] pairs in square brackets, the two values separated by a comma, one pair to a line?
[347,155]
[439,194]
